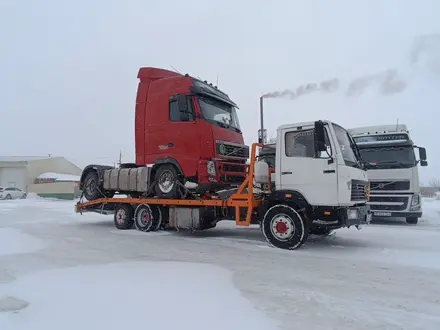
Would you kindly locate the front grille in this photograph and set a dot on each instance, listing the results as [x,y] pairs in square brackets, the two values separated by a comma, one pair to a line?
[233,179]
[227,150]
[234,168]
[389,185]
[393,203]
[359,190]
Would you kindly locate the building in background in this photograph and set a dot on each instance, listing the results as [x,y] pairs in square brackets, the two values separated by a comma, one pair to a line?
[56,185]
[32,175]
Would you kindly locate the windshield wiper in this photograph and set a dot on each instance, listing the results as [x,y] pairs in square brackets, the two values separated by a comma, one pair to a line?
[391,162]
[221,124]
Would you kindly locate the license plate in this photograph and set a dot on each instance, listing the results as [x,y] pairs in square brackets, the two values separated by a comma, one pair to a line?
[382,214]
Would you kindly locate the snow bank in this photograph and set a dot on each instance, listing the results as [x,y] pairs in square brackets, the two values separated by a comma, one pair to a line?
[147,295]
[13,241]
[431,210]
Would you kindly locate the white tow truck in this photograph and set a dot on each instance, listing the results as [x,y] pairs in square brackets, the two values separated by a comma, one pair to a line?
[392,170]
[331,175]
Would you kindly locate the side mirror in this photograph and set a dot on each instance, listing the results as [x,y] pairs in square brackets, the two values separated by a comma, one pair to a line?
[422,153]
[423,163]
[320,136]
[185,111]
[182,103]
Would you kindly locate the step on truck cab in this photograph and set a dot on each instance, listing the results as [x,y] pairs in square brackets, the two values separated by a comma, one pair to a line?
[392,170]
[320,185]
[187,132]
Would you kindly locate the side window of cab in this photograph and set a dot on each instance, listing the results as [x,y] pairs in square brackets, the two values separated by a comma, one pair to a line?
[301,143]
[181,108]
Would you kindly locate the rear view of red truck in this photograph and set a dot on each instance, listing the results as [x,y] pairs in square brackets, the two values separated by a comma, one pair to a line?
[187,134]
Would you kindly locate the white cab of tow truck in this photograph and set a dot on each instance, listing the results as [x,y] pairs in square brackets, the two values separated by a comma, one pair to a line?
[333,176]
[392,170]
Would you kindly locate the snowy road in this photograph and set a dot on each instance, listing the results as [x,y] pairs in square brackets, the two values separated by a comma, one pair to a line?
[386,276]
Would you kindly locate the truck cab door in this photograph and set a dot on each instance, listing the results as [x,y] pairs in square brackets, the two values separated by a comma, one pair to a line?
[183,137]
[303,169]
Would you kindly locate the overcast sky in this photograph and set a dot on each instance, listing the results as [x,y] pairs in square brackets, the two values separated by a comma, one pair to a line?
[68,69]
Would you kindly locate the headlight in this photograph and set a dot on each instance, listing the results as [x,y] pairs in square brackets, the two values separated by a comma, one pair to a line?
[210,167]
[352,214]
[415,200]
[415,203]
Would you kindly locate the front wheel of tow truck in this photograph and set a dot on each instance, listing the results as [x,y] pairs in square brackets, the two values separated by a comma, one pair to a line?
[284,228]
[124,216]
[412,220]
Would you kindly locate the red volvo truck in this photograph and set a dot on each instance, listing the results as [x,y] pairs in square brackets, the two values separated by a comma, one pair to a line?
[187,134]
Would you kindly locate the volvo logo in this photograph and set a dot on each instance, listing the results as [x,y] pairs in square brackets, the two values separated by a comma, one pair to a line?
[381,185]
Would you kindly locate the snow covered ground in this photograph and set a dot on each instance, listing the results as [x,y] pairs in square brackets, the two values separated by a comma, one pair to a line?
[61,270]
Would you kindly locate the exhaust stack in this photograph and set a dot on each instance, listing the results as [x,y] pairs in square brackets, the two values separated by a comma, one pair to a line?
[262,136]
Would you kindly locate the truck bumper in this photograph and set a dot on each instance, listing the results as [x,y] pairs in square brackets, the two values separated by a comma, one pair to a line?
[385,214]
[356,216]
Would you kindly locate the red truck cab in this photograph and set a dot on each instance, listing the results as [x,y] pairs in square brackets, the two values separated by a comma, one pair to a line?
[189,131]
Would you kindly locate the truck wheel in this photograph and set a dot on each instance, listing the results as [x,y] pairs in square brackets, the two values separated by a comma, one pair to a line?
[143,218]
[157,217]
[124,216]
[166,181]
[284,228]
[412,220]
[91,186]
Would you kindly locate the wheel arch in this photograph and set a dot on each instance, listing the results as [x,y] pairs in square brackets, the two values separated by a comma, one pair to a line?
[292,198]
[166,161]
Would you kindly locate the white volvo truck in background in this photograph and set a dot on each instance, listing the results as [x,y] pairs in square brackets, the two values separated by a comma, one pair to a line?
[392,170]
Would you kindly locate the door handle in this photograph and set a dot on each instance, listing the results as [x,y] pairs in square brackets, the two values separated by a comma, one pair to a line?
[284,173]
[329,171]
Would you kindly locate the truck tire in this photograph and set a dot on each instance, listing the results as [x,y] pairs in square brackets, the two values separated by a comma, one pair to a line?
[92,189]
[412,220]
[143,218]
[157,217]
[284,228]
[91,186]
[166,178]
[123,216]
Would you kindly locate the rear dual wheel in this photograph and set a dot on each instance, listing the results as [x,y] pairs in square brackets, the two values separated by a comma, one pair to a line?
[284,228]
[148,217]
[123,216]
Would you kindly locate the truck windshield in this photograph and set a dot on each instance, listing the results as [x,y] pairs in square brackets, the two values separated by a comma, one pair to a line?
[220,113]
[348,147]
[389,156]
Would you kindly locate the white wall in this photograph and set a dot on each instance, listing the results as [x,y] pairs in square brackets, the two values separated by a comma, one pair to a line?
[14,176]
